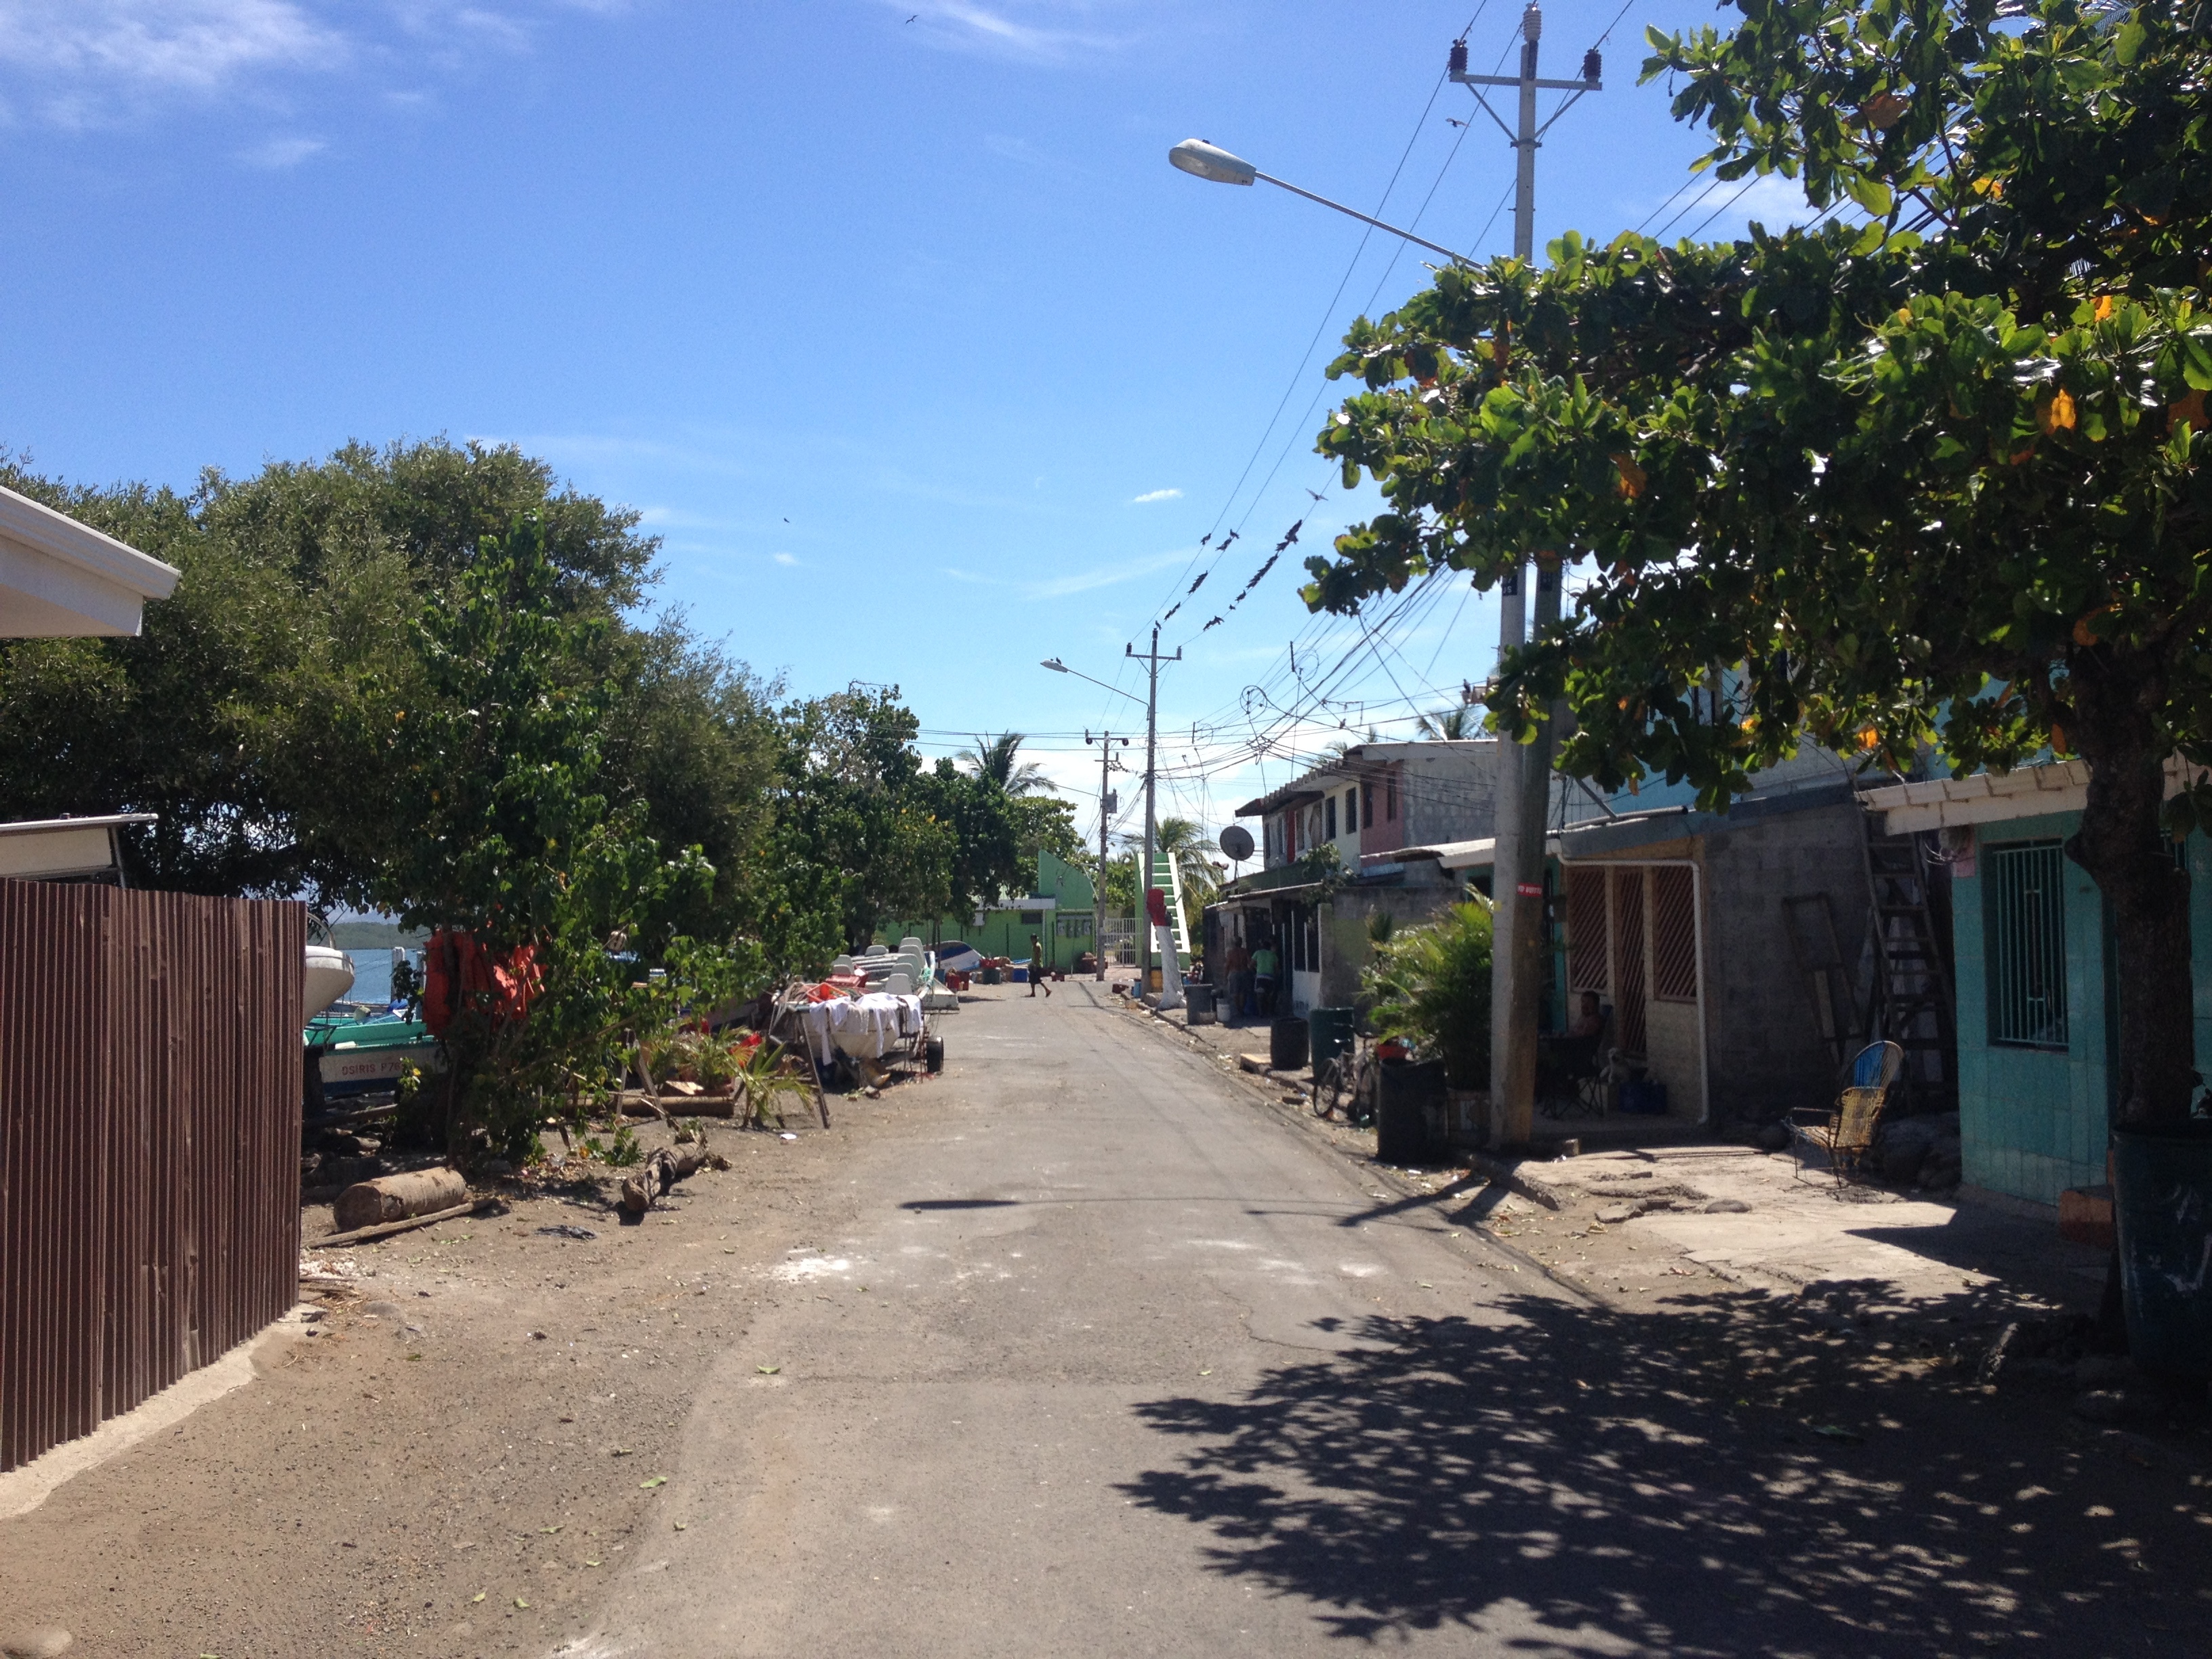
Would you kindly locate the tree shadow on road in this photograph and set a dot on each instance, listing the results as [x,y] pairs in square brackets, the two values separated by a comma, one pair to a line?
[1704,1479]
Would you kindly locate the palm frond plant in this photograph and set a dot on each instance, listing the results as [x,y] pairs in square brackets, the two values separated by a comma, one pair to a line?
[999,760]
[1431,986]
[766,1075]
[1184,843]
[1452,724]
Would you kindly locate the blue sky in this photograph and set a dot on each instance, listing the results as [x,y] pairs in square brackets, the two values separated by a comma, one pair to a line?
[891,317]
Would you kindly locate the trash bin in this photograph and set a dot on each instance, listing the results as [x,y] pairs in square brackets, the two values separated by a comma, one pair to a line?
[1198,999]
[1286,1045]
[1332,1030]
[2162,1205]
[1409,1112]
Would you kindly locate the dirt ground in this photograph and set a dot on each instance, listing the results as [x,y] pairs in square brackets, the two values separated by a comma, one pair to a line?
[460,1446]
[469,1444]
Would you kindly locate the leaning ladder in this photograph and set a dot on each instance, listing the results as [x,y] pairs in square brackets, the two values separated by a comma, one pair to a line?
[1910,998]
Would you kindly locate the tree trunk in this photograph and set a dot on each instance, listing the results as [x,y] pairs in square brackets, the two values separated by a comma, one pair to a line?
[2121,845]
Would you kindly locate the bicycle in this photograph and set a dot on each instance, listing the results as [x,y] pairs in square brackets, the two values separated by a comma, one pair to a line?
[1350,1080]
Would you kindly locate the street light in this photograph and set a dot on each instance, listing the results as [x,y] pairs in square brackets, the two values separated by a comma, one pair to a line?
[1060,667]
[1210,162]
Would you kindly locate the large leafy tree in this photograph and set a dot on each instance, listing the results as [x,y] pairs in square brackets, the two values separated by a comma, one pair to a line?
[1935,479]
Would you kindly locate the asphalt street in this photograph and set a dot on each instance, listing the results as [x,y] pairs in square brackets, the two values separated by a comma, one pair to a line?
[1106,1358]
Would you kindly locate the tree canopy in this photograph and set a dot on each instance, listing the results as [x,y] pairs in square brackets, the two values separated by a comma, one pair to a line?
[1935,480]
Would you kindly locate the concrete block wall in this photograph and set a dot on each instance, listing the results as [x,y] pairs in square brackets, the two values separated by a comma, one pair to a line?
[1763,1048]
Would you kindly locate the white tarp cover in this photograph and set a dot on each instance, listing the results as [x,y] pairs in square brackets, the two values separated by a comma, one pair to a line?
[864,1027]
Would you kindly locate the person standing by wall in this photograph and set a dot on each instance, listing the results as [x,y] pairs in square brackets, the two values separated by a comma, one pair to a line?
[1265,966]
[1037,967]
[1236,967]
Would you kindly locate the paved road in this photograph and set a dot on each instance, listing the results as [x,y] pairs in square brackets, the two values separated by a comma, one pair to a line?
[1111,1360]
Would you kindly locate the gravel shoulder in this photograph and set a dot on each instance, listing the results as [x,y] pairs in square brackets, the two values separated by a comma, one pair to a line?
[455,1446]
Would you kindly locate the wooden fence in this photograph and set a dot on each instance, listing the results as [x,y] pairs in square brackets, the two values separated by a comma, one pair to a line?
[149,1139]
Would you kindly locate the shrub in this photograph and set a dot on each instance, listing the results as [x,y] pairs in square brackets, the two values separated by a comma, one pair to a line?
[1431,985]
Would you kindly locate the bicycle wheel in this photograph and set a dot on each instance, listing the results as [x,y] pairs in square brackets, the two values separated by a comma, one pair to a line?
[1326,1087]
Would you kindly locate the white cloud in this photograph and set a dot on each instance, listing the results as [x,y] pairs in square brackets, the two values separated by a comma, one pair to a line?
[193,46]
[78,63]
[786,558]
[1000,30]
[1108,575]
[1158,495]
[278,154]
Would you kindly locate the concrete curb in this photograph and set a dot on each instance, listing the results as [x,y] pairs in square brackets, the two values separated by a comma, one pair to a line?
[1507,1172]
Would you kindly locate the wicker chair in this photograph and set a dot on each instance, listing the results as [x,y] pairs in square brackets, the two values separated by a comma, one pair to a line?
[1845,1133]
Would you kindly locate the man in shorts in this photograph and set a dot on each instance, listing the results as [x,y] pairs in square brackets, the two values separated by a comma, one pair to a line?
[1037,967]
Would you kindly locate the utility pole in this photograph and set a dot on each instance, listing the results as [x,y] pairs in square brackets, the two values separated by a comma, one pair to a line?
[1107,803]
[1522,786]
[1153,660]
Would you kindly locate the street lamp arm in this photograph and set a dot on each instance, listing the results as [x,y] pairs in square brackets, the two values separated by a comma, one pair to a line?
[1204,161]
[1418,241]
[1060,667]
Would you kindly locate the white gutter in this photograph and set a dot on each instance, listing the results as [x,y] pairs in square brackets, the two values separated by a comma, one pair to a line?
[2026,791]
[63,579]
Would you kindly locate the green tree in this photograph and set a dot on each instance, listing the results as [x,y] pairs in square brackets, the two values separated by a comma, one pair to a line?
[1044,823]
[1913,491]
[1184,842]
[1452,724]
[999,760]
[1432,983]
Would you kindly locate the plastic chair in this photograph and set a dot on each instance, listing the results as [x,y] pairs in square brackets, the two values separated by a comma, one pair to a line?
[1844,1133]
[899,984]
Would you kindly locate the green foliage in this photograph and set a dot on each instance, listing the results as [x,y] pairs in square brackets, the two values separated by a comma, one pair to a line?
[1046,824]
[768,1078]
[999,759]
[625,1151]
[1185,843]
[1430,984]
[1911,491]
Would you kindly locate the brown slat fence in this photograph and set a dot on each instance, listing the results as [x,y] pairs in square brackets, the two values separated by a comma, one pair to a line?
[149,1139]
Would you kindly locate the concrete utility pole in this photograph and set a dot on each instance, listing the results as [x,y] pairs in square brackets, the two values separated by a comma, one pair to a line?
[1151,660]
[1105,740]
[1522,785]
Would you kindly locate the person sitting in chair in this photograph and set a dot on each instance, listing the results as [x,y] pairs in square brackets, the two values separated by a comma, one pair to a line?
[1589,1020]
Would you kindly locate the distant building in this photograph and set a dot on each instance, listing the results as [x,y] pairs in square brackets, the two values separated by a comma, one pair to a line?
[1368,804]
[1061,911]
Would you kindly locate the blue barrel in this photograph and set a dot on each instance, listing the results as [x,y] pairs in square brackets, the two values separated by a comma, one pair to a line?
[1331,1029]
[2162,1205]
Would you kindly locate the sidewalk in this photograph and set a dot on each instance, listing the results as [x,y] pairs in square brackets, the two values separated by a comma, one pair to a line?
[1898,1283]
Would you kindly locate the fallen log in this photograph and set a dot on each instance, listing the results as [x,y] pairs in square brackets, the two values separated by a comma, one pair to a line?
[397,1197]
[363,1234]
[662,1171]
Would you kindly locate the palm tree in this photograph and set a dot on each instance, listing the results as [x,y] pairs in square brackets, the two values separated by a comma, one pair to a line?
[1184,843]
[995,758]
[1454,725]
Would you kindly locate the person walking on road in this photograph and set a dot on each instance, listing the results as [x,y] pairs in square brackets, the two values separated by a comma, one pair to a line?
[1037,967]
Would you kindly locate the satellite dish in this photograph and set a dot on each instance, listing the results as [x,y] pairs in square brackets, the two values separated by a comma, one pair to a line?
[1236,841]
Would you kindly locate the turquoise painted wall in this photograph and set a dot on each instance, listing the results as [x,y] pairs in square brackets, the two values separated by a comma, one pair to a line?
[2034,1122]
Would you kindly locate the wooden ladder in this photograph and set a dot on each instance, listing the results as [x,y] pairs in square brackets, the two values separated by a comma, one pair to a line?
[1910,996]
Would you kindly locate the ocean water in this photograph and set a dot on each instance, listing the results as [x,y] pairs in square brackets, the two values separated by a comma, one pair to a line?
[372,974]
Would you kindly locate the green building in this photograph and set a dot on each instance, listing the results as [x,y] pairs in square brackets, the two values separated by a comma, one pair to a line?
[1060,912]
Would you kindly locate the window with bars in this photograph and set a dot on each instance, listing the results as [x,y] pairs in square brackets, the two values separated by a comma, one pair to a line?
[1328,819]
[2024,944]
[1587,941]
[1674,934]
